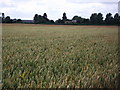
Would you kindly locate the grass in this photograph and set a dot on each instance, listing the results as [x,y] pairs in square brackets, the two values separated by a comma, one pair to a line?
[44,56]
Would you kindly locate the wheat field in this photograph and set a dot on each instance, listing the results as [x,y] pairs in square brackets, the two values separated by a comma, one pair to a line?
[59,56]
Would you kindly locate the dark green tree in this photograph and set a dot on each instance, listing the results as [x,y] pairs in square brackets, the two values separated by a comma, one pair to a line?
[15,20]
[40,19]
[109,19]
[99,18]
[7,19]
[3,17]
[44,19]
[93,18]
[75,18]
[78,19]
[19,21]
[116,19]
[64,18]
[59,21]
[36,18]
[45,15]
[85,21]
[52,22]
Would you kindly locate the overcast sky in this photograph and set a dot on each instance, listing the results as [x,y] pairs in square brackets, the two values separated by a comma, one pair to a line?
[26,9]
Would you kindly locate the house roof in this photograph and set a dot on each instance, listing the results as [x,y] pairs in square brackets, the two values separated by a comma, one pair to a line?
[28,21]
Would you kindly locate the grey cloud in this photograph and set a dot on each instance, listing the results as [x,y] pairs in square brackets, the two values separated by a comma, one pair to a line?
[54,9]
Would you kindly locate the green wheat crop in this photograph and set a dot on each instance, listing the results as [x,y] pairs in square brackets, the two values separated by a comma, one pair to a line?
[48,56]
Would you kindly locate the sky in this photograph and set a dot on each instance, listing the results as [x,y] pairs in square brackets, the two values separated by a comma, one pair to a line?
[26,9]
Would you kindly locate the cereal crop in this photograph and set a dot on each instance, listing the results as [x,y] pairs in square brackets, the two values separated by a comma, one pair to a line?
[59,56]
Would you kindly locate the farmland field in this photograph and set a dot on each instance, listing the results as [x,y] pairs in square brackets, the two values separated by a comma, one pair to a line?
[49,56]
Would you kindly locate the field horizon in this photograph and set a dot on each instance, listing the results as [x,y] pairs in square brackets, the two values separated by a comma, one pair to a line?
[59,25]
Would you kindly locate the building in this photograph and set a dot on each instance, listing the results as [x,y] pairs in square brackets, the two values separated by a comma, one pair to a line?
[71,22]
[68,22]
[28,21]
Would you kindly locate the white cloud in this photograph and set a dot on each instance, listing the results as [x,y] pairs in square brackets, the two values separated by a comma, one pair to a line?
[26,9]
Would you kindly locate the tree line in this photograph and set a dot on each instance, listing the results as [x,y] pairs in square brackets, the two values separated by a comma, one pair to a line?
[7,19]
[95,19]
[38,19]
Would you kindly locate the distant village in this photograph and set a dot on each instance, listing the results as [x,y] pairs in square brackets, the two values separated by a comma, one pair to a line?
[95,19]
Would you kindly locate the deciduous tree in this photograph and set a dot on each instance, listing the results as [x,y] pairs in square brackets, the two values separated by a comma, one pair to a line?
[109,19]
[64,18]
[99,18]
[116,19]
